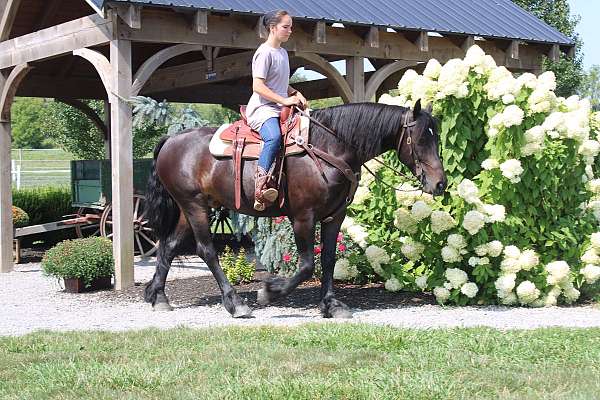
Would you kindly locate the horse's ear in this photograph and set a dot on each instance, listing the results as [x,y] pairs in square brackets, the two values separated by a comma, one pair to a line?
[429,108]
[417,109]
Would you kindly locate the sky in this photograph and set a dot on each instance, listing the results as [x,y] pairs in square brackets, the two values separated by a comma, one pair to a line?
[589,10]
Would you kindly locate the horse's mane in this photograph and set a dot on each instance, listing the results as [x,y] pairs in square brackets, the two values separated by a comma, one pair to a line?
[363,126]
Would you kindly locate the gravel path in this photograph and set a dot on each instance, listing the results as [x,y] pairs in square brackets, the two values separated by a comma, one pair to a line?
[30,301]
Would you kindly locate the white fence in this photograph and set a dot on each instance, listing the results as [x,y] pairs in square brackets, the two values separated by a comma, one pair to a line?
[40,167]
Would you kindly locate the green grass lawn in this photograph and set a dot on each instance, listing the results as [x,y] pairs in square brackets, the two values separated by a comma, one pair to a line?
[331,361]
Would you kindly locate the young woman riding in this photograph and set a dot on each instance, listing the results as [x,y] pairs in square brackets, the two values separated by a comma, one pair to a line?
[270,84]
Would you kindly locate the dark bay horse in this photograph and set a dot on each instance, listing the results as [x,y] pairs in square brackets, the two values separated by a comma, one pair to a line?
[187,181]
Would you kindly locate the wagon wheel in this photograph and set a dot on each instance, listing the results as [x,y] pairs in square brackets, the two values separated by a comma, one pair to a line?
[91,229]
[144,241]
[220,221]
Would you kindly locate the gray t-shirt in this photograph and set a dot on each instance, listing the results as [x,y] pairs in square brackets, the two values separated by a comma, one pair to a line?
[273,66]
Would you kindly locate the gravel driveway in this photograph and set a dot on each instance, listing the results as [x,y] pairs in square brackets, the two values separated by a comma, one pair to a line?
[29,301]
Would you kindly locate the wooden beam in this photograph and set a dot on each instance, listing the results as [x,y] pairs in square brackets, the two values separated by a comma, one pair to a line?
[382,74]
[372,39]
[512,51]
[355,75]
[324,67]
[192,74]
[201,22]
[467,43]
[320,32]
[122,163]
[50,11]
[571,51]
[131,14]
[150,65]
[102,65]
[9,91]
[554,53]
[8,18]
[55,41]
[419,39]
[6,225]
[261,31]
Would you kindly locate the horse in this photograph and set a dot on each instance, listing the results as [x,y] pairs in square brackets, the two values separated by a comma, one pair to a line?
[187,180]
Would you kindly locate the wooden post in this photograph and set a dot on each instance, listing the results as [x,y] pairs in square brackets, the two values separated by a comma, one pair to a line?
[107,119]
[6,226]
[355,75]
[122,162]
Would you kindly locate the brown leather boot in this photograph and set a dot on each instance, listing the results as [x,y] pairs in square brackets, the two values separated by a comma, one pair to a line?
[264,192]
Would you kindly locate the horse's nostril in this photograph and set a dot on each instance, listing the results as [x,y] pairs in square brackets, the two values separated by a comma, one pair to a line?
[440,187]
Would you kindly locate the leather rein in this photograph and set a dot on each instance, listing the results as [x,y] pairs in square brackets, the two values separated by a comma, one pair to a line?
[405,125]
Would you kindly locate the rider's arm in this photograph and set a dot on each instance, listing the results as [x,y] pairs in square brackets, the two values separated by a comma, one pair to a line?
[259,86]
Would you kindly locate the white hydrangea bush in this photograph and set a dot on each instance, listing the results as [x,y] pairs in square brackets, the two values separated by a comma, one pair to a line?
[518,223]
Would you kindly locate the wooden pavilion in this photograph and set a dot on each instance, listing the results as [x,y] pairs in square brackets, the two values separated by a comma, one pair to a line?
[200,51]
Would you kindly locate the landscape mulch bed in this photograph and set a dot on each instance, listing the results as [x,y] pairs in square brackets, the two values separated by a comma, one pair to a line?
[203,291]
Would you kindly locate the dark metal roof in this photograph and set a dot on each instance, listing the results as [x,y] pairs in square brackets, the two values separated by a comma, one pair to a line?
[487,18]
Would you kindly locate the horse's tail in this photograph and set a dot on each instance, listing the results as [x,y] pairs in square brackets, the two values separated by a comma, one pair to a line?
[162,211]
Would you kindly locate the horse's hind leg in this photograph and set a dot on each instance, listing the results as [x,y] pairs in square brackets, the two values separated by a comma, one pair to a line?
[198,216]
[167,250]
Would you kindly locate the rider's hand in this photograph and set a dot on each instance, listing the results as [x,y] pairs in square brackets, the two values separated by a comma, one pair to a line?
[291,101]
[303,102]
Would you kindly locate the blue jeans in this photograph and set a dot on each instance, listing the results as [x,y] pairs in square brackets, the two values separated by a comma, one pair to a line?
[270,132]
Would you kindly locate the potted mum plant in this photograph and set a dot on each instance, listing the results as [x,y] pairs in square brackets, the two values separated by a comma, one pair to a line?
[84,264]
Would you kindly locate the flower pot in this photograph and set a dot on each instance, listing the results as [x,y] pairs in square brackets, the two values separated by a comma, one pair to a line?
[76,285]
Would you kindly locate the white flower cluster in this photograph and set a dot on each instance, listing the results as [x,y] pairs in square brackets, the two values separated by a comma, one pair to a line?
[558,272]
[527,292]
[421,282]
[363,192]
[412,249]
[455,249]
[492,249]
[343,271]
[407,195]
[591,259]
[357,233]
[393,284]
[377,256]
[512,170]
[511,116]
[441,221]
[456,279]
[474,220]
[534,141]
[515,260]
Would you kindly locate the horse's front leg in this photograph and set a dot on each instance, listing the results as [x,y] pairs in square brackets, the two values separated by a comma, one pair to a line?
[329,305]
[304,235]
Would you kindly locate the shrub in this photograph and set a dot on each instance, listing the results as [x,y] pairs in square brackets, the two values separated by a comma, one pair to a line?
[237,269]
[44,204]
[87,259]
[516,224]
[19,217]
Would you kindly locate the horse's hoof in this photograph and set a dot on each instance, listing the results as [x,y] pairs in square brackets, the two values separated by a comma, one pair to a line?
[262,297]
[162,307]
[341,313]
[242,311]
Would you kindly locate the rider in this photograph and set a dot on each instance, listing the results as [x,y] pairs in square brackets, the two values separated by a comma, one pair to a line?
[271,91]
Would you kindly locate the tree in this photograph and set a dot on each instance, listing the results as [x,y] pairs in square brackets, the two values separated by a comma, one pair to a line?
[557,13]
[590,86]
[74,132]
[27,122]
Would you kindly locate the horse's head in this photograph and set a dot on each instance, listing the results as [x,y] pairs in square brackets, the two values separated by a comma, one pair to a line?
[417,148]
